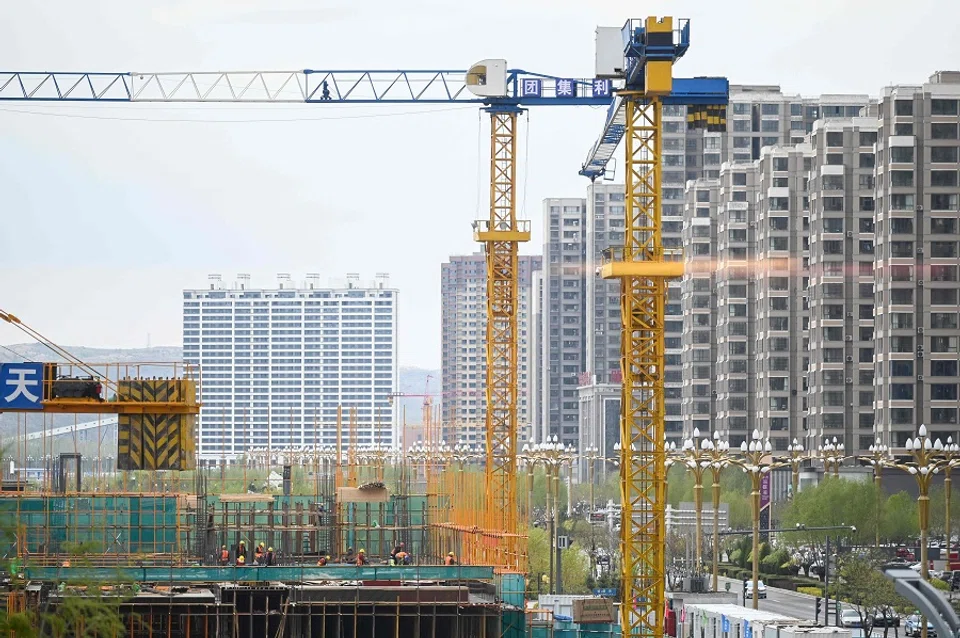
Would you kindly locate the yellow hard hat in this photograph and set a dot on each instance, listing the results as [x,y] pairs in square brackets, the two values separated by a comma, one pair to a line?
[240,559]
[362,551]
[241,542]
[270,549]
[449,553]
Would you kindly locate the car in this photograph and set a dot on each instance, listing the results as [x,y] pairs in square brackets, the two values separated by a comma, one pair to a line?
[912,627]
[885,618]
[850,618]
[748,589]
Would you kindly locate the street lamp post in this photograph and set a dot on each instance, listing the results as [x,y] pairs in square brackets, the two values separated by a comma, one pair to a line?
[951,458]
[696,458]
[719,454]
[879,455]
[552,454]
[831,453]
[925,463]
[753,462]
[796,455]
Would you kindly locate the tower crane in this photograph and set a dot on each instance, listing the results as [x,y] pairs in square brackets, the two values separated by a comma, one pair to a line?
[650,49]
[644,71]
[501,92]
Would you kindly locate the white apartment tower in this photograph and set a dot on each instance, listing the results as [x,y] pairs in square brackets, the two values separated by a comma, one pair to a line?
[463,300]
[277,362]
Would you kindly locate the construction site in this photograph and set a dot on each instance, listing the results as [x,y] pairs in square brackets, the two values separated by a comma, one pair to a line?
[153,541]
[346,540]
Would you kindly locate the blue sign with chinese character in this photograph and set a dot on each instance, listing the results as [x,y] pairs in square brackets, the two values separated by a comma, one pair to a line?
[531,87]
[726,624]
[21,386]
[566,88]
[602,87]
[605,592]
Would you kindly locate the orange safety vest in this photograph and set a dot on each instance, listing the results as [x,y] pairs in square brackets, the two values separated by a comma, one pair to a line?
[224,555]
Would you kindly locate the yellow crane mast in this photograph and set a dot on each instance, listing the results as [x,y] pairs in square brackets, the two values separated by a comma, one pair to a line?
[644,268]
[501,235]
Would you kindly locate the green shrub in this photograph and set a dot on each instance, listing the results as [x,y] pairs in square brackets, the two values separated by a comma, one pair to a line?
[810,591]
[940,584]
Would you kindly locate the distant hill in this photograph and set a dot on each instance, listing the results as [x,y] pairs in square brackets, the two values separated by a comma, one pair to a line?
[412,380]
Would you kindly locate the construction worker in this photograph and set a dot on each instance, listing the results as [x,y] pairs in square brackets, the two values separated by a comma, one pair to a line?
[66,563]
[323,561]
[361,558]
[258,554]
[451,559]
[396,550]
[224,555]
[241,560]
[242,550]
[401,557]
[269,557]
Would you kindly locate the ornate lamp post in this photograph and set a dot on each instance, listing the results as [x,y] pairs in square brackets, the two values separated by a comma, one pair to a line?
[592,454]
[925,463]
[831,453]
[754,462]
[718,451]
[696,458]
[879,455]
[951,459]
[795,457]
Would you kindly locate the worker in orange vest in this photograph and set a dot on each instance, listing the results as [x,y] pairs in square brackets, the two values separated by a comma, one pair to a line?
[451,559]
[224,555]
[361,558]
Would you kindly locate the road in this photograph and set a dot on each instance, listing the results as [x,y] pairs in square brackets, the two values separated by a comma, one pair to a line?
[780,601]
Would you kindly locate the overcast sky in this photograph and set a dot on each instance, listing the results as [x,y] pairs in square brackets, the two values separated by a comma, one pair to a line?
[105,221]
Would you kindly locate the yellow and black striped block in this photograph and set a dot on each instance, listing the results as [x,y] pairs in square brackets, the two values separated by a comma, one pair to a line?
[711,118]
[156,441]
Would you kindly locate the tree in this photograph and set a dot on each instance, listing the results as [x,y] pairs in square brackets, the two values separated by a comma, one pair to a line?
[900,520]
[938,510]
[871,594]
[576,571]
[834,502]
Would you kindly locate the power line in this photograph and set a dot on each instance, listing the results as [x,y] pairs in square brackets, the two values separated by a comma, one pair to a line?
[15,353]
[233,121]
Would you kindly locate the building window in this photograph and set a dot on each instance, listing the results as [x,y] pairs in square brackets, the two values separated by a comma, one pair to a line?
[901,154]
[944,202]
[903,107]
[945,154]
[943,131]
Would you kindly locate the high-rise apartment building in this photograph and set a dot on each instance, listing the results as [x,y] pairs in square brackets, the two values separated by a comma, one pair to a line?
[736,313]
[563,327]
[463,308]
[781,273]
[277,362]
[758,117]
[840,173]
[916,281]
[699,299]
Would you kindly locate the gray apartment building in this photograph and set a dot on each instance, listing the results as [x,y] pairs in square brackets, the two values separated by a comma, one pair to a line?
[463,309]
[841,281]
[563,328]
[781,292]
[917,227]
[735,288]
[758,116]
[698,297]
